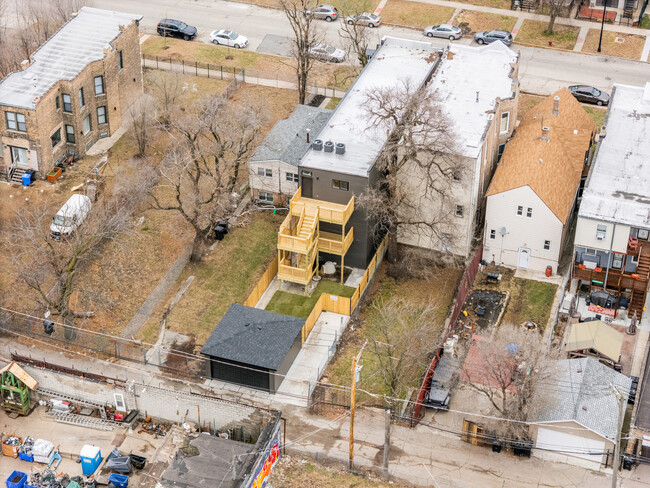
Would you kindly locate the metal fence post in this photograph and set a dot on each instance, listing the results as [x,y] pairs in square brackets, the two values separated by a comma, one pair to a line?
[196,67]
[221,67]
[208,70]
[183,63]
[157,63]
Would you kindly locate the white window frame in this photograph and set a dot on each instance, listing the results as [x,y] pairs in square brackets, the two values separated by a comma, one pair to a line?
[520,210]
[601,232]
[264,196]
[101,85]
[617,257]
[292,177]
[99,122]
[69,131]
[341,185]
[529,212]
[68,103]
[504,116]
[87,125]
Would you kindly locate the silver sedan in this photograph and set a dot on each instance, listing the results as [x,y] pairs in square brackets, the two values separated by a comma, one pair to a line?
[327,53]
[446,31]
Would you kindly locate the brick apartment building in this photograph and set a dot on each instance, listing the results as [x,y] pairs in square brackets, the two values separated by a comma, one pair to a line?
[74,90]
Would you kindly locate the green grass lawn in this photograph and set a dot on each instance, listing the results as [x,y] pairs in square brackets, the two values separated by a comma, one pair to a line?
[226,276]
[415,14]
[596,113]
[645,22]
[331,105]
[300,305]
[533,32]
[529,300]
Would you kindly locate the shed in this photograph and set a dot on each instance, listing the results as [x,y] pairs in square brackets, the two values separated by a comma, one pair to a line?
[253,347]
[595,338]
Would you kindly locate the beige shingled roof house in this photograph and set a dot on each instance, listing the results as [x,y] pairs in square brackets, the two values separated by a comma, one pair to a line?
[533,193]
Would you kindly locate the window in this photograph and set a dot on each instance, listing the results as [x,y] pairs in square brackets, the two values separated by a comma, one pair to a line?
[265,197]
[120,60]
[502,147]
[87,125]
[341,185]
[101,115]
[493,234]
[505,122]
[67,103]
[617,261]
[293,177]
[529,212]
[456,175]
[591,252]
[58,103]
[56,137]
[459,211]
[99,85]
[547,245]
[69,134]
[601,232]
[520,210]
[264,171]
[16,121]
[81,97]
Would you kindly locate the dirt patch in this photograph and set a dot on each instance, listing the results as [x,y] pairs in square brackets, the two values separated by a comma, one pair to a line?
[472,21]
[481,310]
[415,14]
[533,32]
[628,46]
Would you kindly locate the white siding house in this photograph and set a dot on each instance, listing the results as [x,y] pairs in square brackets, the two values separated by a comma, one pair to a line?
[532,197]
[273,168]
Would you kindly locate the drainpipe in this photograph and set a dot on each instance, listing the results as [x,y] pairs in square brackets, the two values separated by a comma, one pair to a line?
[609,257]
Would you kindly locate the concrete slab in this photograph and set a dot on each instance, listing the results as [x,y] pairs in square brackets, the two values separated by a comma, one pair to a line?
[646,49]
[103,145]
[276,45]
[526,274]
[268,294]
[354,279]
[582,36]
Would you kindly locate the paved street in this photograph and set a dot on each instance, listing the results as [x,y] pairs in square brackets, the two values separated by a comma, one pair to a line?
[541,71]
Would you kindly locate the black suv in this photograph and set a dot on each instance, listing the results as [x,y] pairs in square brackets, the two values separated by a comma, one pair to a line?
[176,28]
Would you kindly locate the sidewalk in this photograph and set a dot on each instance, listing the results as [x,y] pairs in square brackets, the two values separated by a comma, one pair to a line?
[584,25]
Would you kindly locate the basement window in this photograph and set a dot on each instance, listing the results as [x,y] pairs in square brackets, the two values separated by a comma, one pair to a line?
[341,185]
[265,196]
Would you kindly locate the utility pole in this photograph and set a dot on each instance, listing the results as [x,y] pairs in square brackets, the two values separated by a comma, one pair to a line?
[619,424]
[600,41]
[353,392]
[386,441]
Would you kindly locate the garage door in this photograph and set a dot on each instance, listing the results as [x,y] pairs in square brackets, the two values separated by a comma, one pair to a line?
[571,444]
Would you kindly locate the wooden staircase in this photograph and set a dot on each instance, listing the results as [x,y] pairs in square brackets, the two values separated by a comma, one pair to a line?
[638,295]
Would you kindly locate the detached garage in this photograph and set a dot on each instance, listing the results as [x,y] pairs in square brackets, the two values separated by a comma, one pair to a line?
[253,347]
[576,420]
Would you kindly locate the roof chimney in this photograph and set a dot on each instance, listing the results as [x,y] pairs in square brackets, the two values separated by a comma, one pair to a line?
[556,106]
[545,131]
[307,136]
[24,63]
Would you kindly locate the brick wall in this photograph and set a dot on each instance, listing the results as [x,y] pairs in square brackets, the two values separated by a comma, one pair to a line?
[121,88]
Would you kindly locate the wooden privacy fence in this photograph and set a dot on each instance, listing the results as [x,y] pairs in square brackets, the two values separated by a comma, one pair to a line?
[370,272]
[263,284]
[326,303]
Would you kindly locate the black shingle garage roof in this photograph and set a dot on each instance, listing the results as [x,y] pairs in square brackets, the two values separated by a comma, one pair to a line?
[252,336]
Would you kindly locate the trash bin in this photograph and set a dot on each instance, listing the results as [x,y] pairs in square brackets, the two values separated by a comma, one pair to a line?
[119,480]
[549,271]
[27,179]
[16,479]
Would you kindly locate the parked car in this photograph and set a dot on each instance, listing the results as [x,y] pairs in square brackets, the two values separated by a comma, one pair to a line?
[175,28]
[230,38]
[589,94]
[488,37]
[71,215]
[371,20]
[324,12]
[325,52]
[446,31]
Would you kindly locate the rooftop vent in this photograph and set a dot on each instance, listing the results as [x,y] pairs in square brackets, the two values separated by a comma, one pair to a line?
[603,132]
[340,148]
[556,106]
[545,131]
[317,145]
[329,146]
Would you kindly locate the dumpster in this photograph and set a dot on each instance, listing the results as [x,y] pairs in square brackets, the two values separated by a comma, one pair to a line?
[16,480]
[27,179]
[91,457]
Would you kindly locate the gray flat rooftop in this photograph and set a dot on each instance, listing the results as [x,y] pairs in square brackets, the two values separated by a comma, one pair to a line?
[618,187]
[396,61]
[78,43]
[465,71]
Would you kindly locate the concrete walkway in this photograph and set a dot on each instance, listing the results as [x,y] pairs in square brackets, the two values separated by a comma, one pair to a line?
[584,25]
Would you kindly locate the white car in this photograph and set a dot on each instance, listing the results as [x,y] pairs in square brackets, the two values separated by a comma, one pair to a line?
[230,38]
[327,53]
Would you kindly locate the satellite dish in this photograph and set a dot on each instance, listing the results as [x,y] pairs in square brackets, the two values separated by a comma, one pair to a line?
[503,231]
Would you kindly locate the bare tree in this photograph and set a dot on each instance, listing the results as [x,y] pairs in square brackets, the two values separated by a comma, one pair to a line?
[199,176]
[555,8]
[167,88]
[306,36]
[506,367]
[355,36]
[142,117]
[51,269]
[417,166]
[394,326]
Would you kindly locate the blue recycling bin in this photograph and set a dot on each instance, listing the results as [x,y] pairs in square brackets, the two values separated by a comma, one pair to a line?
[16,480]
[27,179]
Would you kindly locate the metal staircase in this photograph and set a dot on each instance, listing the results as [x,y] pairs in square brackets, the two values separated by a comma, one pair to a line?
[16,175]
[628,12]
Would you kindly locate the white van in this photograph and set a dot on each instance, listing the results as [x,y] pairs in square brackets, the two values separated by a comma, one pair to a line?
[70,216]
